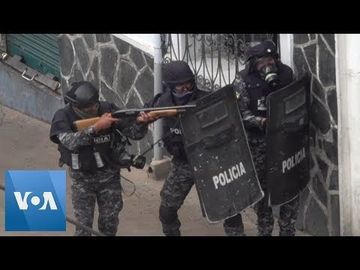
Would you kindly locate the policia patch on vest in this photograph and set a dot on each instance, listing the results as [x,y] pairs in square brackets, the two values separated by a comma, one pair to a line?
[287,140]
[218,152]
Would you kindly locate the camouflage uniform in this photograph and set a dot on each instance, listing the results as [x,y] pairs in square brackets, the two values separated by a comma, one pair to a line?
[180,179]
[175,189]
[288,211]
[257,143]
[102,186]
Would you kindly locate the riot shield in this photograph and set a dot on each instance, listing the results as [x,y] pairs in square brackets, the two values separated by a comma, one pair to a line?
[287,138]
[218,152]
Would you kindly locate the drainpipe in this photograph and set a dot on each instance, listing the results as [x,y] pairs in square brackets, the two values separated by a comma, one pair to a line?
[286,49]
[158,155]
[348,97]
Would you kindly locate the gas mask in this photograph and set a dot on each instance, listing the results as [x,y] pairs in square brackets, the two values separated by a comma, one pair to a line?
[270,75]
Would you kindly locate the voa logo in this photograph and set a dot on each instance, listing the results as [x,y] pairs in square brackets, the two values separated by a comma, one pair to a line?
[35,200]
[47,198]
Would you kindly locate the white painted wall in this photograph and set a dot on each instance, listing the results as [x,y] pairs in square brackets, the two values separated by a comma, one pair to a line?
[348,94]
[145,42]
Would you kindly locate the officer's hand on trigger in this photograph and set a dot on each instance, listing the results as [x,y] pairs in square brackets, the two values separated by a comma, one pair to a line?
[146,118]
[105,121]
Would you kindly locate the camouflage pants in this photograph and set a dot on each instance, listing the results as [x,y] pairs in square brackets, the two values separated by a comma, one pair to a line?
[107,194]
[175,189]
[288,211]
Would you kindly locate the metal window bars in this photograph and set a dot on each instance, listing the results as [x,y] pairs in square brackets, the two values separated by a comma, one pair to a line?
[214,58]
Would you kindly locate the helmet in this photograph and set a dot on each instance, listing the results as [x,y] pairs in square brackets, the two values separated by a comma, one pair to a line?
[176,72]
[82,94]
[265,48]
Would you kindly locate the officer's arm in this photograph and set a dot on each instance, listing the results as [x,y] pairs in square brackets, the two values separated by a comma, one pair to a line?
[72,140]
[129,127]
[249,119]
[137,131]
[62,132]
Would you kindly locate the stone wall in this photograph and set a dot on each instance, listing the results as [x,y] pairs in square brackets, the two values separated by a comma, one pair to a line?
[315,53]
[122,73]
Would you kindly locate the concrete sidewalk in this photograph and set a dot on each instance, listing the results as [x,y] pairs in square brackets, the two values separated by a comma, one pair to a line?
[25,144]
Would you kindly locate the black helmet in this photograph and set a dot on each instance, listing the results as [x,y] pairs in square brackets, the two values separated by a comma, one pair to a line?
[176,72]
[265,48]
[82,94]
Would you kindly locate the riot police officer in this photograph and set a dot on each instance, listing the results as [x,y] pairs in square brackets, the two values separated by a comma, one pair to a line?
[94,155]
[263,74]
[180,89]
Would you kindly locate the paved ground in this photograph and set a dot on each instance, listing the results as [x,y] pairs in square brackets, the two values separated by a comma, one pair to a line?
[24,144]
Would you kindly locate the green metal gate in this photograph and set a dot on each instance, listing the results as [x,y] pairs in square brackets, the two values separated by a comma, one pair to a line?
[39,51]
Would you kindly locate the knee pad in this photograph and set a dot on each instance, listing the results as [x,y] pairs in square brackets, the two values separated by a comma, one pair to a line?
[167,215]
